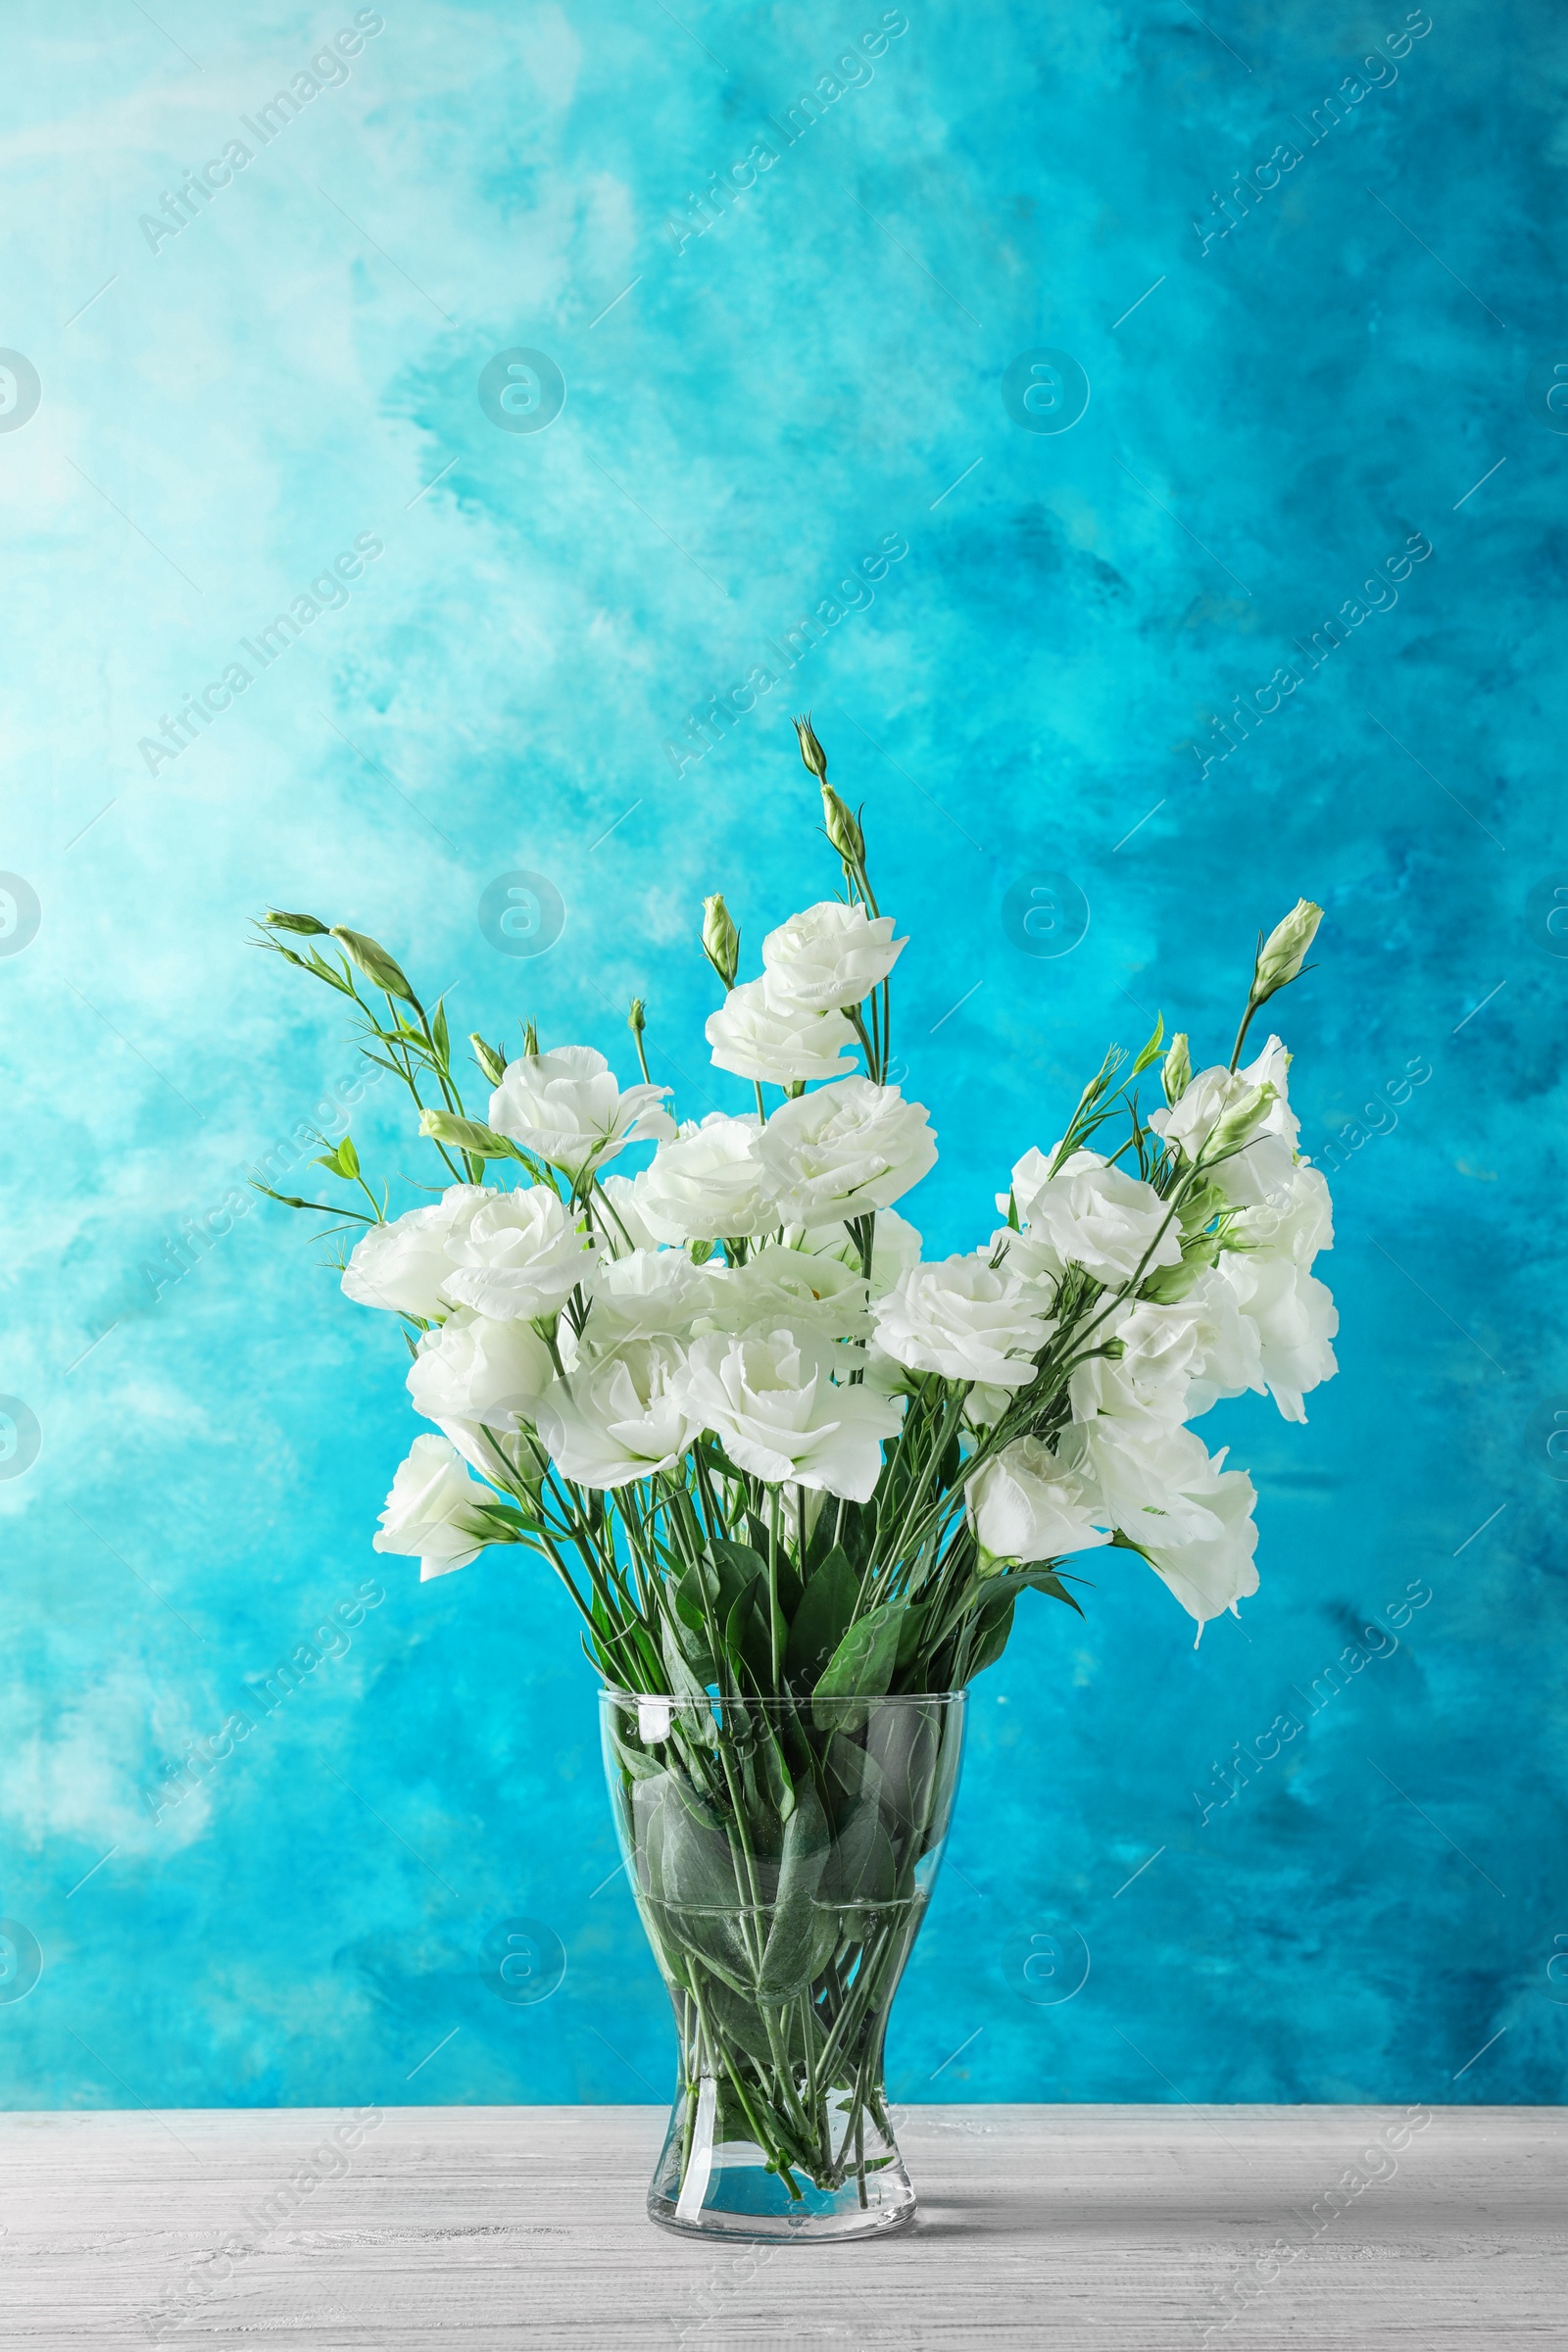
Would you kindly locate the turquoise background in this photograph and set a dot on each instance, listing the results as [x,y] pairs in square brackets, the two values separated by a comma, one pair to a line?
[1274,410]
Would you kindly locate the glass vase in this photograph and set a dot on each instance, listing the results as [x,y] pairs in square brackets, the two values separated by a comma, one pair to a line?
[782,1853]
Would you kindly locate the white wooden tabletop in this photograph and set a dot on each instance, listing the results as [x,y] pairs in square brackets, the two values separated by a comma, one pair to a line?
[1125,2228]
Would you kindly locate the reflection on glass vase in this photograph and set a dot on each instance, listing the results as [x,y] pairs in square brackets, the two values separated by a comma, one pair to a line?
[782,1855]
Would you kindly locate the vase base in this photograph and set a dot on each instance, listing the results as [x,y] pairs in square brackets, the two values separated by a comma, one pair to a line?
[734,2194]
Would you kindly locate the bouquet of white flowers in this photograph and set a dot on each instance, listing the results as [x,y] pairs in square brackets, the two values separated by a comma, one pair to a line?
[791,1471]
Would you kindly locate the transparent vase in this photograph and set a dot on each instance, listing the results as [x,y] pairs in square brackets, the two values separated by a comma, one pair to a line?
[782,1853]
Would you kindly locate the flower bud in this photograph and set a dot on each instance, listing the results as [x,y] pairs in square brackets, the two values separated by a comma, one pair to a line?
[811,751]
[1178,1069]
[490,1059]
[842,830]
[1239,1123]
[305,924]
[375,963]
[530,1043]
[721,942]
[637,1017]
[1283,952]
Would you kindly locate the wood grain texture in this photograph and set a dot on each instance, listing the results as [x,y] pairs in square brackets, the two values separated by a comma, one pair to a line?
[1116,2227]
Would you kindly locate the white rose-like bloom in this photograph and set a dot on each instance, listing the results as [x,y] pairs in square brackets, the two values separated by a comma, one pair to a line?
[1296,1220]
[621,1227]
[620,1418]
[845,1150]
[781,1043]
[807,1293]
[894,1247]
[1212,1573]
[1296,1319]
[649,1294]
[1154,1479]
[828,956]
[521,1253]
[401,1265]
[965,1321]
[426,1514]
[709,1184]
[1093,1215]
[1250,1175]
[1176,1361]
[1024,1504]
[474,1374]
[773,1407]
[568,1108]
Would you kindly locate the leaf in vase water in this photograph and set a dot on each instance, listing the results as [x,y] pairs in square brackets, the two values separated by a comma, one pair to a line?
[861,1666]
[786,1968]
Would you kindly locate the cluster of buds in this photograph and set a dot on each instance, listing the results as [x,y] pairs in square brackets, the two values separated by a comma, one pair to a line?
[840,827]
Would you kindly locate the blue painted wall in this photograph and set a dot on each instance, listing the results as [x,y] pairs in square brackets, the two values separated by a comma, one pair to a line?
[1281,395]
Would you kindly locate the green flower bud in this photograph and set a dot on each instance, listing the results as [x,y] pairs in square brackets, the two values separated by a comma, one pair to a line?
[375,963]
[721,942]
[490,1059]
[305,924]
[842,830]
[1239,1123]
[1284,952]
[811,751]
[637,1018]
[468,1135]
[1178,1069]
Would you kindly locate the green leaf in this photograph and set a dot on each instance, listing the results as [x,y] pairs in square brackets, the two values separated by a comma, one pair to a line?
[1150,1052]
[439,1036]
[861,1666]
[826,1607]
[375,963]
[348,1158]
[786,1968]
[699,1582]
[992,1625]
[909,1632]
[746,1636]
[1043,1580]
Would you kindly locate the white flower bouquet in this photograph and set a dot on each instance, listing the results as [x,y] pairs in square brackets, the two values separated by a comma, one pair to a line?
[794,1476]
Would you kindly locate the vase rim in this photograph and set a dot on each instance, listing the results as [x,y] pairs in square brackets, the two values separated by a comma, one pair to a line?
[712,1698]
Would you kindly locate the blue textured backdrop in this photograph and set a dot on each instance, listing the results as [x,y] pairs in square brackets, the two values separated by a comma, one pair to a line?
[1289,379]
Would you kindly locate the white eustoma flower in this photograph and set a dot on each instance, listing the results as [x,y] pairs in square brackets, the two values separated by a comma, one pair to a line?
[428,1512]
[621,1225]
[620,1416]
[894,1247]
[521,1253]
[1154,1479]
[1265,1163]
[1176,1361]
[828,956]
[965,1320]
[1296,1319]
[1090,1214]
[1296,1220]
[773,1405]
[709,1184]
[568,1108]
[401,1265]
[780,1043]
[474,1374]
[1025,1504]
[648,1295]
[796,1288]
[845,1150]
[1212,1573]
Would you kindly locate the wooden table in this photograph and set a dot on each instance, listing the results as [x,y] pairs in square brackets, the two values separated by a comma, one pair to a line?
[1125,2228]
